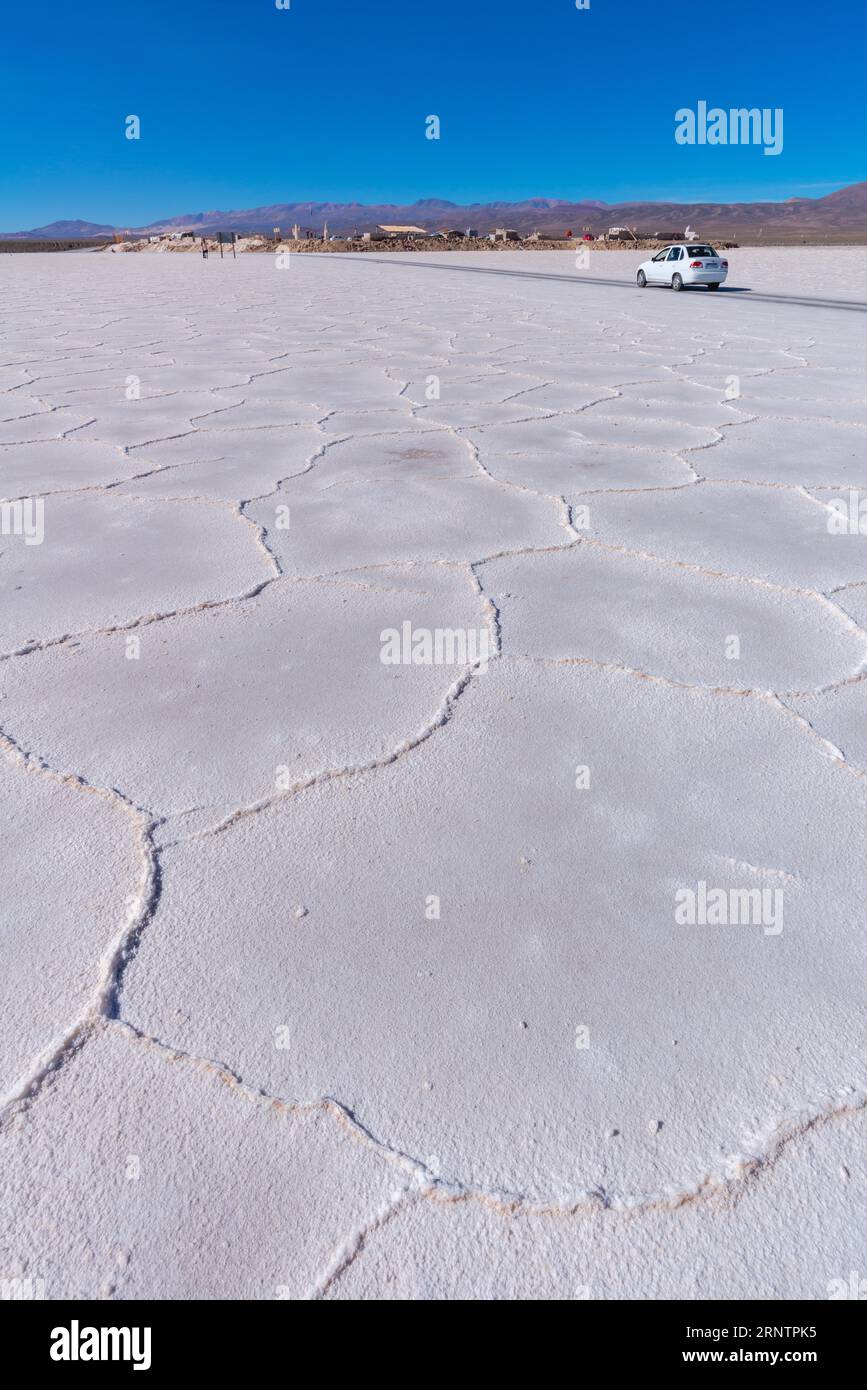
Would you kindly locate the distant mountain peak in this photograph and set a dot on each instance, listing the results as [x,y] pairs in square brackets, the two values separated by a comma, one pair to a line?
[63,230]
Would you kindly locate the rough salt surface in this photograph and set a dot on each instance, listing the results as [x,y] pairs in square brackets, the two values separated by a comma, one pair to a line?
[398,942]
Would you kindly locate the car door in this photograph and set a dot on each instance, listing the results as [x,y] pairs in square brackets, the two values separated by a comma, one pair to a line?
[656,268]
[671,266]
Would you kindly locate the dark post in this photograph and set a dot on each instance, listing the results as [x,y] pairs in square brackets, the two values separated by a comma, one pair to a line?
[234,257]
[220,235]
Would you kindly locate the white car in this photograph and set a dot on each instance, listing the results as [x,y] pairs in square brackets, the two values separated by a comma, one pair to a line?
[686,263]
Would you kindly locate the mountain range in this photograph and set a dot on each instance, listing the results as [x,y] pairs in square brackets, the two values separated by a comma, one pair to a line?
[843,211]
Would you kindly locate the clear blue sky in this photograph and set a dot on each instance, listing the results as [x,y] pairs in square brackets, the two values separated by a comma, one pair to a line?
[242,104]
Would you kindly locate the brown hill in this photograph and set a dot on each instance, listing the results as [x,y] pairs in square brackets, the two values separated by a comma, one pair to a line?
[839,212]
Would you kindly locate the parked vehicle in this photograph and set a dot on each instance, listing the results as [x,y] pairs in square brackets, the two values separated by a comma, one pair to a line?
[688,263]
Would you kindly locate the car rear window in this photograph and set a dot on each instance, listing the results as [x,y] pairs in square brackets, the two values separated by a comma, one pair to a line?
[700,251]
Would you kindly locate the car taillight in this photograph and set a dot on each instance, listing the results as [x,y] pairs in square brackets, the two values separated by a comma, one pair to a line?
[725,263]
[695,265]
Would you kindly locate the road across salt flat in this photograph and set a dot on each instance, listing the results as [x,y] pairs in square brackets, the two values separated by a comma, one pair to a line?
[525,962]
[403,259]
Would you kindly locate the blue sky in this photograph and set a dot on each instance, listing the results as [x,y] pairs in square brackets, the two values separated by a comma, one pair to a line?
[242,104]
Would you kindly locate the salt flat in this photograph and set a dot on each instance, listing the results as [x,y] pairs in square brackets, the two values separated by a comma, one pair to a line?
[338,977]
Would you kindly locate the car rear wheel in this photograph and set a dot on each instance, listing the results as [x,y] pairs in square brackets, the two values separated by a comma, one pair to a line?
[642,279]
[677,282]
[713,287]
